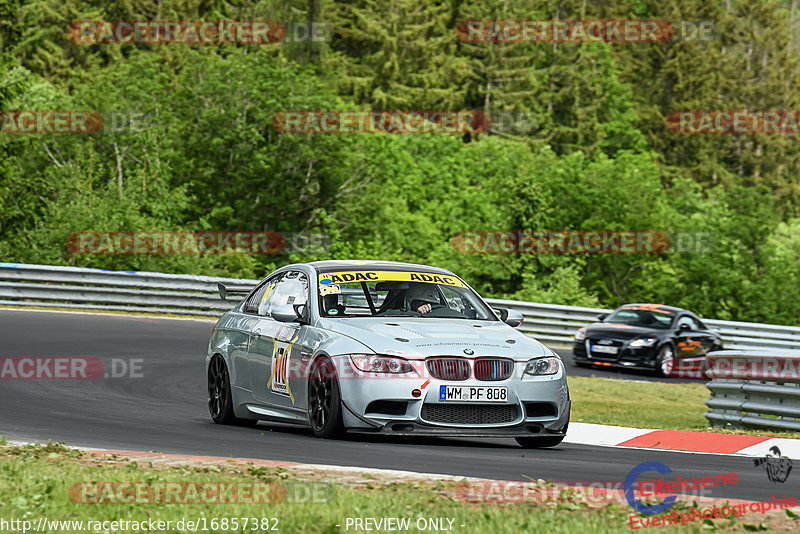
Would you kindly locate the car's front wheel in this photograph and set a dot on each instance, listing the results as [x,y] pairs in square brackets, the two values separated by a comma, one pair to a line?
[220,402]
[324,400]
[665,360]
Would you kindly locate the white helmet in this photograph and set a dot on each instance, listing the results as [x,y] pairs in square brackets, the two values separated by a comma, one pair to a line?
[422,292]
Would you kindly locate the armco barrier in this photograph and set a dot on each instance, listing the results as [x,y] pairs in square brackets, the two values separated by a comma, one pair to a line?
[754,388]
[76,287]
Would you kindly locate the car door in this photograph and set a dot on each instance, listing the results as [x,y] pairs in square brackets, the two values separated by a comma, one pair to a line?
[278,351]
[689,339]
[260,326]
[246,324]
[707,337]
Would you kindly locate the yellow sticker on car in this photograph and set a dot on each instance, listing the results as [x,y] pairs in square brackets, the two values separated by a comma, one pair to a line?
[326,279]
[278,379]
[332,289]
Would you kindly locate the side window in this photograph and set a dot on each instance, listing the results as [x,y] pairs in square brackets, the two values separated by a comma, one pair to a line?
[459,301]
[688,321]
[258,299]
[291,289]
[453,299]
[626,316]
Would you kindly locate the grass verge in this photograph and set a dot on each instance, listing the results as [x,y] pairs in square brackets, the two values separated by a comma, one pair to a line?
[39,482]
[609,401]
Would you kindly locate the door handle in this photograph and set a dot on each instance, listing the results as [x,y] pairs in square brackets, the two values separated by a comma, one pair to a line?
[257,334]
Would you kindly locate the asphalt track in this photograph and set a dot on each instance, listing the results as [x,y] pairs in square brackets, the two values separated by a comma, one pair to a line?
[165,410]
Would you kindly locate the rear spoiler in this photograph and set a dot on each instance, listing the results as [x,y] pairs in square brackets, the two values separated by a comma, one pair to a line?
[224,290]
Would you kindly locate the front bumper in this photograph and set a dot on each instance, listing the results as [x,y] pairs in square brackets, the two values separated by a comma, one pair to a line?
[536,405]
[643,358]
[403,428]
[639,358]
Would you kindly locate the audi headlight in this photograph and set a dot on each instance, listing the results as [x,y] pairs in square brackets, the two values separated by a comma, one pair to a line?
[580,335]
[376,363]
[643,342]
[542,366]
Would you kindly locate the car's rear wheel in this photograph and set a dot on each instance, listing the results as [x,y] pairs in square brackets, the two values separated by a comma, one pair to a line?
[324,400]
[665,361]
[220,402]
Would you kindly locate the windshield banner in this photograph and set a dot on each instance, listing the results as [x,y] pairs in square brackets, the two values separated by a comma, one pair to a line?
[326,279]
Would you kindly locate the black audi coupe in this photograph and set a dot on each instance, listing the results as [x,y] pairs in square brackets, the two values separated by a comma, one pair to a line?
[670,341]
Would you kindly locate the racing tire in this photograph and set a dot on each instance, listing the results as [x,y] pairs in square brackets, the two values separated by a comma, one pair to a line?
[220,402]
[665,361]
[324,400]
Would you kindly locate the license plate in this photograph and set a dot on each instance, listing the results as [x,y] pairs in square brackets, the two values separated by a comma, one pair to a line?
[607,349]
[473,393]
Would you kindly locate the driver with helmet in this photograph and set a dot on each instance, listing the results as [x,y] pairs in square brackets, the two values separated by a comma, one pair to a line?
[422,297]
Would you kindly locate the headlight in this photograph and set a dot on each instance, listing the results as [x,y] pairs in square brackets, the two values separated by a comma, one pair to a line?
[542,366]
[643,342]
[375,363]
[580,335]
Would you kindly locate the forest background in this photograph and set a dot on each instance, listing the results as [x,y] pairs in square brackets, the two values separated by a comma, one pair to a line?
[595,154]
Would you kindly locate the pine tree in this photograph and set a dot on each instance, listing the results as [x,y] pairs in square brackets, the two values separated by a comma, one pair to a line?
[398,55]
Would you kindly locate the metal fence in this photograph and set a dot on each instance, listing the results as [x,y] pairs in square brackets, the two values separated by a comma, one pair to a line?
[99,289]
[759,388]
[76,287]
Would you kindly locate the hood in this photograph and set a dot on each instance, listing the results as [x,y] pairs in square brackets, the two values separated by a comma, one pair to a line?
[423,337]
[621,331]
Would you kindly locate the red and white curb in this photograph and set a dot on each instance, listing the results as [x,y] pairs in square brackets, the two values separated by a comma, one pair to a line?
[679,440]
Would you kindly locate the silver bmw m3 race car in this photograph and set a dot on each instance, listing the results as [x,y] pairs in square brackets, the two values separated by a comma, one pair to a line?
[382,347]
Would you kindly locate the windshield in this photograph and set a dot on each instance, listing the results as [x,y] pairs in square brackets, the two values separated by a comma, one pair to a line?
[641,316]
[398,294]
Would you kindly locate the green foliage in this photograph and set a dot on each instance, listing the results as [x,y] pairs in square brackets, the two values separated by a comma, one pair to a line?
[206,156]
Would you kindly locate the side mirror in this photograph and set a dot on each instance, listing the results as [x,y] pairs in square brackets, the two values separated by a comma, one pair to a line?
[602,316]
[510,317]
[288,313]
